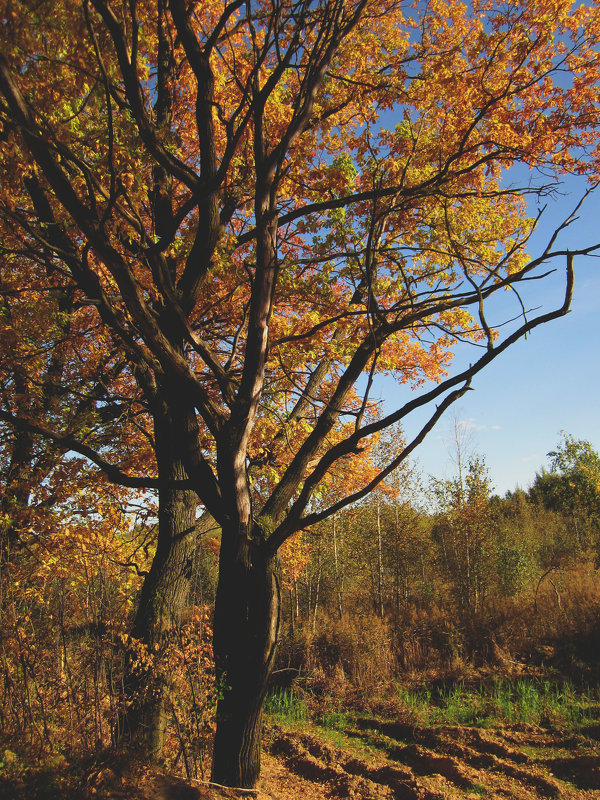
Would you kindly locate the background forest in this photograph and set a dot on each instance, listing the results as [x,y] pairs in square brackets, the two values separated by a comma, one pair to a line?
[384,597]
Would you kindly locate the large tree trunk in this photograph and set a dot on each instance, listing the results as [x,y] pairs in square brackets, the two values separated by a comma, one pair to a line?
[245,634]
[166,587]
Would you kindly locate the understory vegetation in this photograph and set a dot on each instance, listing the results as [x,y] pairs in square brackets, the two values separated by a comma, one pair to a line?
[474,611]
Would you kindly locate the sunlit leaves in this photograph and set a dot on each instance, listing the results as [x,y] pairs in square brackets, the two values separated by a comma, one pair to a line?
[376,138]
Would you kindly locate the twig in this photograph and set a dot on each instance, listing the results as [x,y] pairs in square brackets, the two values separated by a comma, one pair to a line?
[250,792]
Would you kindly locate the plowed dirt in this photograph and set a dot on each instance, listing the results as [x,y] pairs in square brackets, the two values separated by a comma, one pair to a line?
[403,761]
[372,760]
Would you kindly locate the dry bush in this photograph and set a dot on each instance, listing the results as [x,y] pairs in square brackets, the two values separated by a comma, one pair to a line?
[554,625]
[65,609]
[356,652]
[427,639]
[559,625]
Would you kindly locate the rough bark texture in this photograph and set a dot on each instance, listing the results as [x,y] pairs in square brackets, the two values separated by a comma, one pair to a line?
[246,627]
[165,589]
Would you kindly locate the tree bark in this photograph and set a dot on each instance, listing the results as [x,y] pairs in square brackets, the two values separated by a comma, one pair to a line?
[246,626]
[339,578]
[165,590]
[380,609]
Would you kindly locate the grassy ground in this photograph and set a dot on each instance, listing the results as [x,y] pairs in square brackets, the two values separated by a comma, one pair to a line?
[523,738]
[530,701]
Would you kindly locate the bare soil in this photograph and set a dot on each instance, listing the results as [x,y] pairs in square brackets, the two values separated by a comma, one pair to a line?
[405,761]
[371,760]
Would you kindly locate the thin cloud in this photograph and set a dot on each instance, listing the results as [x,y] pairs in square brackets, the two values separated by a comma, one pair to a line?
[472,425]
[529,459]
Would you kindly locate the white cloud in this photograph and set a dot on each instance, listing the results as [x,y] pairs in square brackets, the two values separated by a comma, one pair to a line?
[529,459]
[472,425]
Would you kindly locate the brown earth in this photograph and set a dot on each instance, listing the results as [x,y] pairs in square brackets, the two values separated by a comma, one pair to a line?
[371,760]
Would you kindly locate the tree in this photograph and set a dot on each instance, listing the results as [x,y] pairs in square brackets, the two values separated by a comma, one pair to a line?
[44,343]
[572,487]
[466,533]
[258,205]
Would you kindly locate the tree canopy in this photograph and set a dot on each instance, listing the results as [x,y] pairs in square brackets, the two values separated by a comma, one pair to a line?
[219,224]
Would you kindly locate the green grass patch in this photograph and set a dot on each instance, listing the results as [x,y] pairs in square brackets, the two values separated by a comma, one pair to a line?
[286,707]
[502,701]
[526,700]
[332,717]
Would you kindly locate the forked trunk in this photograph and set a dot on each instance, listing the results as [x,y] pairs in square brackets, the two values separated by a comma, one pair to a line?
[245,634]
[163,596]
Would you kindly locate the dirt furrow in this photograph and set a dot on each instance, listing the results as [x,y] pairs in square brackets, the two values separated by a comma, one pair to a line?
[347,775]
[409,762]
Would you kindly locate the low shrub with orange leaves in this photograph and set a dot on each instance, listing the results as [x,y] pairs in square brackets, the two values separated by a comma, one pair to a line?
[66,604]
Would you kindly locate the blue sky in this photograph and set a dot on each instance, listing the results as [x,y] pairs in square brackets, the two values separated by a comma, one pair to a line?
[545,384]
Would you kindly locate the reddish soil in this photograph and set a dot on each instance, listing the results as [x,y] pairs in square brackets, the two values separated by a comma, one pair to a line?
[404,761]
[373,760]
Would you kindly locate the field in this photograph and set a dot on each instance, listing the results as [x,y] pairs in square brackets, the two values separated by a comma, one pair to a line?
[520,739]
[430,763]
[501,739]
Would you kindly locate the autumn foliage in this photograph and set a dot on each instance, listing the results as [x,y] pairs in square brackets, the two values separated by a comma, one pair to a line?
[220,225]
[67,601]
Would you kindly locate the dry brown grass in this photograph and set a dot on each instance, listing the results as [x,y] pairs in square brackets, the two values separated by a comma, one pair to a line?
[551,626]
